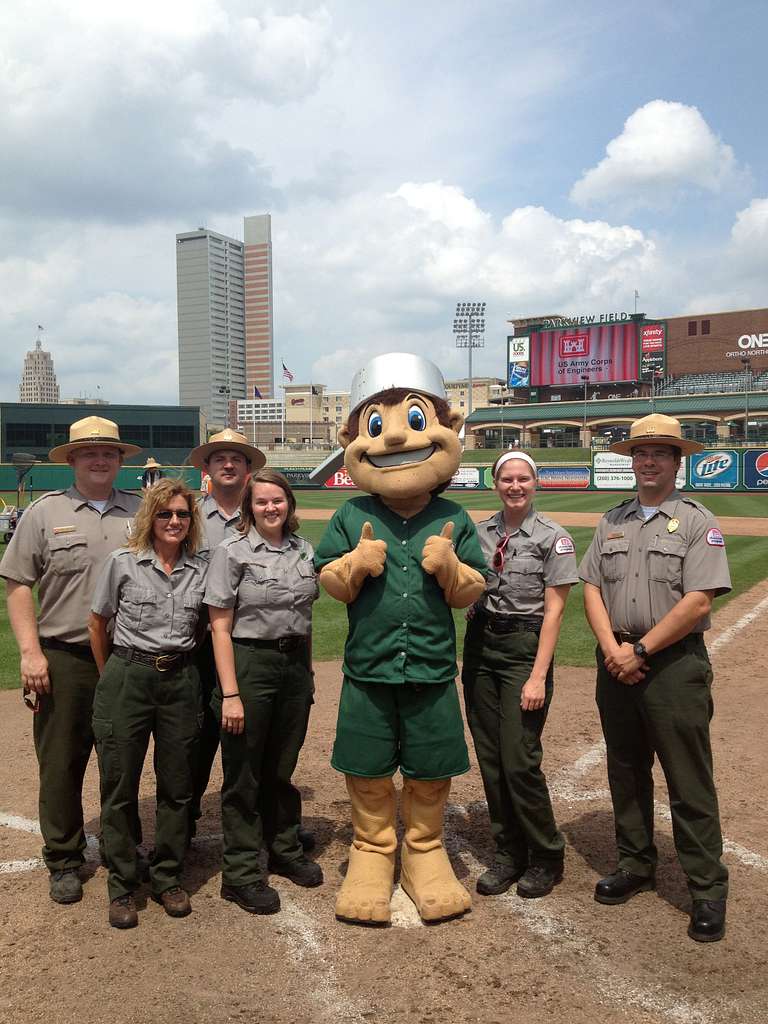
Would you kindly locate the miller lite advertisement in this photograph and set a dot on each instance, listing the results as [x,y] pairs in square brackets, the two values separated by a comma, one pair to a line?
[605,353]
[714,470]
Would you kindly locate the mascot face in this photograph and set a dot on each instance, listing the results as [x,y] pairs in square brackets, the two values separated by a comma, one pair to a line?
[398,445]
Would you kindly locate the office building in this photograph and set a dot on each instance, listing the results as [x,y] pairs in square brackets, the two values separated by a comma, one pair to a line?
[38,378]
[257,232]
[210,290]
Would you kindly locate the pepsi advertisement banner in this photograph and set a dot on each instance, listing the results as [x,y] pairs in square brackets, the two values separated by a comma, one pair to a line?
[756,471]
[714,470]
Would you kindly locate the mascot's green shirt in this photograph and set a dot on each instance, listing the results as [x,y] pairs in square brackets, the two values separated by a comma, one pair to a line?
[400,628]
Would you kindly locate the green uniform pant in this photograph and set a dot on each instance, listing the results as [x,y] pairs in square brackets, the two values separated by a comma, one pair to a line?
[508,744]
[208,741]
[133,702]
[63,743]
[667,714]
[260,806]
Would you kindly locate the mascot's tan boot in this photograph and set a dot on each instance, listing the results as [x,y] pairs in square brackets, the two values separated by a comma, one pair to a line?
[367,889]
[427,875]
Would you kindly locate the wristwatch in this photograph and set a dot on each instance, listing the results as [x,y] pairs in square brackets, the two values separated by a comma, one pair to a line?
[640,650]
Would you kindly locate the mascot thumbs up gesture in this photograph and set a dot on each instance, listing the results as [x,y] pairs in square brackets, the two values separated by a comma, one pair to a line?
[400,558]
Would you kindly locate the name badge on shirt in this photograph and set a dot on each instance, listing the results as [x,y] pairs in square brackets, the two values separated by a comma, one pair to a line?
[58,530]
[616,535]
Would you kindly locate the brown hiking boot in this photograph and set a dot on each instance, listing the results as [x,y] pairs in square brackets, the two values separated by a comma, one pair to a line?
[122,912]
[174,901]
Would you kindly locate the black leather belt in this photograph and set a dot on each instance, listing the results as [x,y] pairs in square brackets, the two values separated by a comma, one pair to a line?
[170,662]
[628,638]
[81,650]
[635,638]
[511,623]
[283,643]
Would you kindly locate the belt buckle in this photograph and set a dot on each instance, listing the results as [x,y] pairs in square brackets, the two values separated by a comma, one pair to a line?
[173,658]
[284,644]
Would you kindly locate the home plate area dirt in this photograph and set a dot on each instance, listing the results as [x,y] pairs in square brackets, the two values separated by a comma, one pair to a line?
[564,958]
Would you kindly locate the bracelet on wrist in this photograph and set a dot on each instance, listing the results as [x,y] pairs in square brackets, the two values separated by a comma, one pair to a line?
[235,694]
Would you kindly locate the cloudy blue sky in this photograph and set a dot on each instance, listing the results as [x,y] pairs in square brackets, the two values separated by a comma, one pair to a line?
[541,156]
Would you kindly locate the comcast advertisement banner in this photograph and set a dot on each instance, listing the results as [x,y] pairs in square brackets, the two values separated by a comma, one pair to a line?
[564,478]
[715,471]
[611,472]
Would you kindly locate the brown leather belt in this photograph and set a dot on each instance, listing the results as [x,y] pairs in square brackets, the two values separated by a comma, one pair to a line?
[170,662]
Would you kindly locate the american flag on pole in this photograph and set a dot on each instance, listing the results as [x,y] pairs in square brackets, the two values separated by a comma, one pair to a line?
[287,375]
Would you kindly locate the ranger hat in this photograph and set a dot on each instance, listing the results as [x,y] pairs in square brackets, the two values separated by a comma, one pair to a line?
[656,429]
[88,432]
[151,463]
[227,440]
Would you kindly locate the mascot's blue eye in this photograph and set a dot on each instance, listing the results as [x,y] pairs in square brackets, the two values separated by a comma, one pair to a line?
[416,418]
[374,424]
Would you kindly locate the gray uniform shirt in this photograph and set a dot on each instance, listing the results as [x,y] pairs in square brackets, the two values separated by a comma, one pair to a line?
[217,525]
[153,612]
[61,544]
[643,567]
[271,589]
[540,554]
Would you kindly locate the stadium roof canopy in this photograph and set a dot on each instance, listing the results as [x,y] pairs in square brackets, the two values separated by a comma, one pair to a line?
[732,402]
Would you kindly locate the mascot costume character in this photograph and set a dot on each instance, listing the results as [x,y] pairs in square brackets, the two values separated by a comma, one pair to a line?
[400,558]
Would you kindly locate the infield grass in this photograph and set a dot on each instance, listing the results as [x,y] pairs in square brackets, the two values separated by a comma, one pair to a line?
[747,557]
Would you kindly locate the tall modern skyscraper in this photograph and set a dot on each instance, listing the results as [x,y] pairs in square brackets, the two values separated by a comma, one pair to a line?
[210,295]
[224,300]
[38,378]
[258,306]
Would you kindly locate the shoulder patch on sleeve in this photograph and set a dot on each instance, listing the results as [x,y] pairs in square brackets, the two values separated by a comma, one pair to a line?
[715,538]
[564,546]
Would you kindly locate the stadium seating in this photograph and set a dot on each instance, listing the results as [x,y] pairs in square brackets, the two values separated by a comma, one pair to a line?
[710,383]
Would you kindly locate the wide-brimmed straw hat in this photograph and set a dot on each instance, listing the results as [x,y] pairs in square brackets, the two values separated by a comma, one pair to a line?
[656,429]
[88,432]
[226,440]
[151,463]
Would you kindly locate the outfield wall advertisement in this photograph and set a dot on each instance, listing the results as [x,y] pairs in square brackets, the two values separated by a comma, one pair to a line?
[714,470]
[612,472]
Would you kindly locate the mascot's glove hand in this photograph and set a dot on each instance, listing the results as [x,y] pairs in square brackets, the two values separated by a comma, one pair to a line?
[344,577]
[439,558]
[369,557]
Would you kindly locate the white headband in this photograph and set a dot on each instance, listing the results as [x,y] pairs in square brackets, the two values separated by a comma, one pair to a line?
[515,455]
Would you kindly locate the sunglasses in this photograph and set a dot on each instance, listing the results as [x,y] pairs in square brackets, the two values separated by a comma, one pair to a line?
[32,700]
[167,514]
[498,554]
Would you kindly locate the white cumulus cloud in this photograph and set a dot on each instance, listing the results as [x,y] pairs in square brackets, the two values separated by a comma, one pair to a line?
[665,148]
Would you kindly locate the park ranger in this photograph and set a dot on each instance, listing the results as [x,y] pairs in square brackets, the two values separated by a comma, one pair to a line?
[228,460]
[60,545]
[651,572]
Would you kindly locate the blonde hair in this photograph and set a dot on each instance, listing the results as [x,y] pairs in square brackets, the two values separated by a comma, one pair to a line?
[267,476]
[155,500]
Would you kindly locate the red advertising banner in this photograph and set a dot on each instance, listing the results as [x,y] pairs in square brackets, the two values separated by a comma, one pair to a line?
[340,479]
[604,353]
[652,343]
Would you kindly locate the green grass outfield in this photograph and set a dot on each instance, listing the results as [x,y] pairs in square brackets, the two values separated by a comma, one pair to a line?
[747,556]
[739,504]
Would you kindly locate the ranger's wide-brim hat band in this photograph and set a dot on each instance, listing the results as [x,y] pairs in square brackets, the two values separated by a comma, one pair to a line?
[656,429]
[227,440]
[86,433]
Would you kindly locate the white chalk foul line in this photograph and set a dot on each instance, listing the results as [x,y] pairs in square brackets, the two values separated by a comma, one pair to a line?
[17,823]
[312,951]
[592,961]
[733,631]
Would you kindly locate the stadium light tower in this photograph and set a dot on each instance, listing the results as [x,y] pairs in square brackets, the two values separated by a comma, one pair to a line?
[469,328]
[746,362]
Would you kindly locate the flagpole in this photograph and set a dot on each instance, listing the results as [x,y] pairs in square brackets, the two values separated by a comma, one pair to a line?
[311,403]
[282,388]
